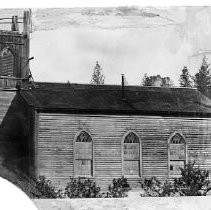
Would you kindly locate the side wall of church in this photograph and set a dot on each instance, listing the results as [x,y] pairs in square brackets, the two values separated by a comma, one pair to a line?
[56,134]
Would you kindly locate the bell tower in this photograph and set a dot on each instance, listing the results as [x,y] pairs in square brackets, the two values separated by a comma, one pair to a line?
[14,51]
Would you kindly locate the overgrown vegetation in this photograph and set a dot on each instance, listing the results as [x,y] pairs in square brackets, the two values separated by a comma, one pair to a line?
[193,182]
[46,189]
[82,188]
[154,188]
[119,188]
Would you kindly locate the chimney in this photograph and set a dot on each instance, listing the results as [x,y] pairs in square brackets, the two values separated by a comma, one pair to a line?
[14,26]
[123,86]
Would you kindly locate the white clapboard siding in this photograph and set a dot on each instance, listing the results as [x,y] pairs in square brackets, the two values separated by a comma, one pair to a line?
[57,133]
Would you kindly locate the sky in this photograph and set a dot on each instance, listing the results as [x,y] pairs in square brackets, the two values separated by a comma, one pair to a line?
[66,43]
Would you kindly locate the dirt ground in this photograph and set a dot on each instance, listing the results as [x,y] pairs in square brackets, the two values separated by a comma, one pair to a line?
[132,202]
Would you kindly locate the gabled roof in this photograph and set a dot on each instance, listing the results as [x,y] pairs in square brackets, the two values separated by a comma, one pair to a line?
[108,99]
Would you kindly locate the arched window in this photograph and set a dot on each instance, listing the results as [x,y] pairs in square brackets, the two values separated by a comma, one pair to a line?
[131,155]
[177,154]
[83,155]
[6,62]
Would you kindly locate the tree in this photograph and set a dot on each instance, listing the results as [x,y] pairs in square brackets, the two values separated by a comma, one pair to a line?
[146,81]
[167,82]
[97,76]
[157,81]
[202,78]
[185,78]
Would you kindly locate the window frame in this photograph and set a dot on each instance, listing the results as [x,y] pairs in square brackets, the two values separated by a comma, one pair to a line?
[140,155]
[8,49]
[169,156]
[74,156]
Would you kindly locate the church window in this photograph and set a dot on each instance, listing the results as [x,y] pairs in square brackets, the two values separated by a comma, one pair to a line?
[131,155]
[177,154]
[83,155]
[6,62]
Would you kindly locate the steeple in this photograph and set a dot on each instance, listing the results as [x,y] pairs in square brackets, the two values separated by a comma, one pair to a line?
[14,51]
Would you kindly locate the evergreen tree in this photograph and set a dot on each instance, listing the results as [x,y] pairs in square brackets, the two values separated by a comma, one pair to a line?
[202,78]
[185,78]
[97,76]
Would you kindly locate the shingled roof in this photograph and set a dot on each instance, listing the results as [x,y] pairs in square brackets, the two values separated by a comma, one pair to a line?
[108,99]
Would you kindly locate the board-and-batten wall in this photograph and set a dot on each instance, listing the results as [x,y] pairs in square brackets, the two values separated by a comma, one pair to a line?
[57,132]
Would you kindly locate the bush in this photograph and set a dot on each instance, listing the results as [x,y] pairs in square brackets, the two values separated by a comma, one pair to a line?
[193,181]
[154,188]
[119,188]
[46,189]
[168,189]
[151,187]
[82,188]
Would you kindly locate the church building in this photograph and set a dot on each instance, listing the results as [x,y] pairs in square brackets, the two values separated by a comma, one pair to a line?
[99,132]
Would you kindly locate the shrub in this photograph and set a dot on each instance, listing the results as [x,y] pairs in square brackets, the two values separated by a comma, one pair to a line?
[119,188]
[46,189]
[168,189]
[152,187]
[193,181]
[82,188]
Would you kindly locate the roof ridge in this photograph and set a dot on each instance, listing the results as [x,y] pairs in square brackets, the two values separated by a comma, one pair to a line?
[73,85]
